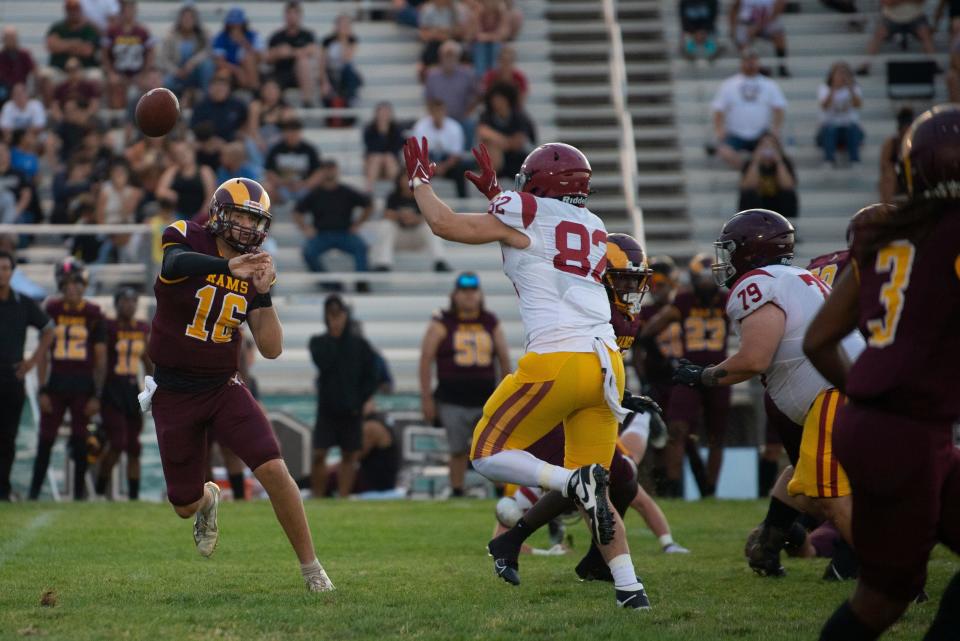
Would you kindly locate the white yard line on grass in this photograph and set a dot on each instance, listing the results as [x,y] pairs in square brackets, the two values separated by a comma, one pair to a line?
[9,549]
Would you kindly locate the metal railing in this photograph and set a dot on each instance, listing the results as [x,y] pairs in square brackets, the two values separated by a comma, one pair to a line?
[618,94]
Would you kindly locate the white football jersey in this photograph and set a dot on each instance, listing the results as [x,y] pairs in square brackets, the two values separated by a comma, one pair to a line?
[792,381]
[563,304]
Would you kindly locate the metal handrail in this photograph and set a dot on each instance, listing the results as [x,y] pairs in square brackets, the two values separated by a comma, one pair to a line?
[618,94]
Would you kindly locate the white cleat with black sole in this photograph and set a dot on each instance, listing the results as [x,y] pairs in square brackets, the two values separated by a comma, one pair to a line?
[206,530]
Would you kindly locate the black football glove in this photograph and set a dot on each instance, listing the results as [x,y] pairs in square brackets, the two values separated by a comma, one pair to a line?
[640,404]
[686,373]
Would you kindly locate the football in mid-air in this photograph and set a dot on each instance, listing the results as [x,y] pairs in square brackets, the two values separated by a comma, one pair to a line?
[157,112]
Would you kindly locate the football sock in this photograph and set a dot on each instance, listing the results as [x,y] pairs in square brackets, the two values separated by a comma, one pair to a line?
[947,621]
[518,533]
[134,491]
[624,575]
[100,487]
[665,540]
[767,476]
[844,625]
[780,514]
[551,505]
[79,478]
[522,468]
[237,487]
[456,492]
[40,465]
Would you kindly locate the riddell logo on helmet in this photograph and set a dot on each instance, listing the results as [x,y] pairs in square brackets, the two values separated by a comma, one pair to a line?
[946,190]
[579,200]
[253,204]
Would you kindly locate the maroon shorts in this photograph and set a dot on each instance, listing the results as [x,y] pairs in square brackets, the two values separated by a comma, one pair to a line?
[50,423]
[781,430]
[711,404]
[123,429]
[229,413]
[905,476]
[550,446]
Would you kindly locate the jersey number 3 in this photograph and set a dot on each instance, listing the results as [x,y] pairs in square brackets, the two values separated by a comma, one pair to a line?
[896,258]
[576,260]
[226,322]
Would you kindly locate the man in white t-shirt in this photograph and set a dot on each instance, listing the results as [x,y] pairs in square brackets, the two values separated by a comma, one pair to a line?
[445,136]
[745,107]
[22,111]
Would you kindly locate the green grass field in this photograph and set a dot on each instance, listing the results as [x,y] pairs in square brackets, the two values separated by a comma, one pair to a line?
[403,570]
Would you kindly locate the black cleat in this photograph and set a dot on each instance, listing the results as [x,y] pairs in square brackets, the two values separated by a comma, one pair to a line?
[505,559]
[922,597]
[843,566]
[764,555]
[592,567]
[588,488]
[633,599]
[795,539]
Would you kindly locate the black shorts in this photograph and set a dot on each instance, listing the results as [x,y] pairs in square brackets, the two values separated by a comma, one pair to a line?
[344,430]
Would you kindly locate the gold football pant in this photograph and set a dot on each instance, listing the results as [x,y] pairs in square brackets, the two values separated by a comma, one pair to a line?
[818,473]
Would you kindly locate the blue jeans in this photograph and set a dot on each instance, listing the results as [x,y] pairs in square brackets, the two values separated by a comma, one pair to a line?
[199,78]
[485,56]
[832,136]
[324,241]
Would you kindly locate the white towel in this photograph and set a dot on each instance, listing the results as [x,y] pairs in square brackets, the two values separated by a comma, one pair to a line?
[610,391]
[146,396]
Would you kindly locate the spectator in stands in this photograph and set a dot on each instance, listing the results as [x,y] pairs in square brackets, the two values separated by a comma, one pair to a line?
[185,182]
[340,78]
[16,64]
[769,180]
[148,158]
[160,214]
[23,153]
[85,94]
[514,20]
[467,344]
[890,187]
[234,163]
[954,11]
[185,55]
[71,182]
[292,165]
[128,49]
[840,99]
[227,115]
[86,247]
[17,185]
[406,12]
[402,226]
[73,36]
[506,130]
[698,20]
[332,205]
[265,114]
[101,13]
[445,138]
[746,106]
[293,52]
[347,380]
[455,84]
[439,21]
[237,50]
[506,73]
[22,112]
[752,19]
[382,142]
[491,28]
[901,18]
[117,204]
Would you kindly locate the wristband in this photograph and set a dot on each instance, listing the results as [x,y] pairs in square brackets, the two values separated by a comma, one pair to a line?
[418,181]
[261,300]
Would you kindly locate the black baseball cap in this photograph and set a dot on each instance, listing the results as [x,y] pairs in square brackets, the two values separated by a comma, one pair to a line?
[467,280]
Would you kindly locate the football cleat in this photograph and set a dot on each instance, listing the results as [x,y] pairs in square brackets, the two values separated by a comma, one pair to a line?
[633,599]
[675,548]
[318,581]
[505,555]
[206,532]
[764,555]
[843,565]
[592,567]
[588,488]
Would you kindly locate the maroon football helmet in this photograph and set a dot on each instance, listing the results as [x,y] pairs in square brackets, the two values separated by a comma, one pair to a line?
[867,216]
[751,239]
[556,170]
[627,273]
[930,155]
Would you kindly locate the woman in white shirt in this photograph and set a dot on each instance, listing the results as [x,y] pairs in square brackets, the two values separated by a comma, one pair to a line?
[840,99]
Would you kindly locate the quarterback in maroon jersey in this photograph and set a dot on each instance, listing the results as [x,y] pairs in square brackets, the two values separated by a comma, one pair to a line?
[214,277]
[699,313]
[76,366]
[895,436]
[119,407]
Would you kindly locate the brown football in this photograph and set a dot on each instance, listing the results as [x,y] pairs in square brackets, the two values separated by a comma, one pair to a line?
[157,112]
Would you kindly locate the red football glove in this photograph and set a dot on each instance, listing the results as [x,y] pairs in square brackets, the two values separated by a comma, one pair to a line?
[418,162]
[486,182]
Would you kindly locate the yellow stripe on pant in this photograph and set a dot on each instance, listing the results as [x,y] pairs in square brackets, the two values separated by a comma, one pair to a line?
[818,474]
[548,389]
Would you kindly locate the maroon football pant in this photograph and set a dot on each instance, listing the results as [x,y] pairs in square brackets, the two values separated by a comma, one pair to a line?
[711,404]
[232,417]
[123,430]
[905,476]
[50,422]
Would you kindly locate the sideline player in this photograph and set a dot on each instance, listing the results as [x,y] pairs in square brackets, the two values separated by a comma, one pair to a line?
[119,407]
[771,303]
[902,291]
[77,364]
[213,278]
[554,253]
[699,314]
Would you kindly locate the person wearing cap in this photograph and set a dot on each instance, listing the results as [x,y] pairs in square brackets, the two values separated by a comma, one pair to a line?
[746,106]
[119,407]
[237,49]
[292,164]
[347,380]
[468,346]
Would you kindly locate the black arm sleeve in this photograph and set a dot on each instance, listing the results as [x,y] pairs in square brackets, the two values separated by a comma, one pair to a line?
[180,262]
